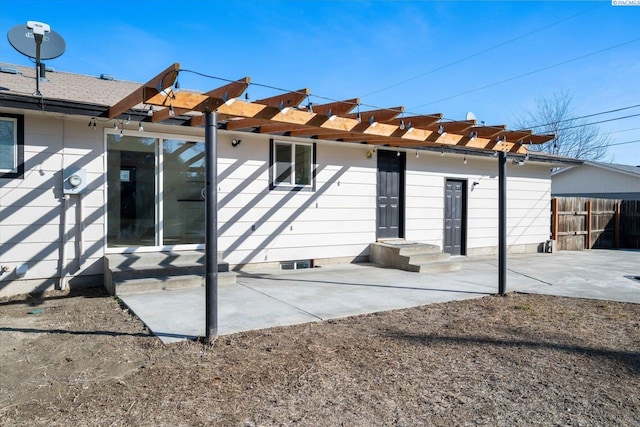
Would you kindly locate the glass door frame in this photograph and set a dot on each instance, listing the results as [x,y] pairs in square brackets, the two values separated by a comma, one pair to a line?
[159,176]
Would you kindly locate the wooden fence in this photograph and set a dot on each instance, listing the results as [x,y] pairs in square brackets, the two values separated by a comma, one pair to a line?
[584,223]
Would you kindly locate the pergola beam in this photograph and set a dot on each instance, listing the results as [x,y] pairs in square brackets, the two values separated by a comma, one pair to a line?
[163,81]
[332,121]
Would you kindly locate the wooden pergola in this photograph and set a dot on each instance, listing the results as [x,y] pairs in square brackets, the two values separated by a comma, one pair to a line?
[284,114]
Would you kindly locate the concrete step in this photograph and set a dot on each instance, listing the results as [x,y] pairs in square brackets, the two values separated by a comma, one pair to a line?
[157,270]
[423,258]
[163,270]
[149,284]
[381,251]
[411,256]
[435,267]
[141,259]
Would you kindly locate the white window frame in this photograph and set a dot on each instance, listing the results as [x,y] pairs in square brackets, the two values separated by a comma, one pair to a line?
[291,185]
[18,146]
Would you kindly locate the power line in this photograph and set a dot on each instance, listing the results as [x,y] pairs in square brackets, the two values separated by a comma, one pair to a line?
[479,53]
[530,73]
[624,143]
[624,130]
[598,122]
[390,109]
[587,116]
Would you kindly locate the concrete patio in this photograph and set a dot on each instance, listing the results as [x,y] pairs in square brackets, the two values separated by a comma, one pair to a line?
[274,297]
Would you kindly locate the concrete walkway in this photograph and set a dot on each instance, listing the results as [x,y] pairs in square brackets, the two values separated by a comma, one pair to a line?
[276,298]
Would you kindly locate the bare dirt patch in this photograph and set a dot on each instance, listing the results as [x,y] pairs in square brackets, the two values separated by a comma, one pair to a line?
[520,359]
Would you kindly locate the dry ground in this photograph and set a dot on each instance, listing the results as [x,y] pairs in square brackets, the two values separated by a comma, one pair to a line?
[515,360]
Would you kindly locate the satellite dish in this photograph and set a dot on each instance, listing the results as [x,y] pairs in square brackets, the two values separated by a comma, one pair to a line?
[471,117]
[37,41]
[22,39]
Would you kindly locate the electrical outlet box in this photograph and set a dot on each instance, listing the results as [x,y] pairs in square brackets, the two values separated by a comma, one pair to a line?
[74,181]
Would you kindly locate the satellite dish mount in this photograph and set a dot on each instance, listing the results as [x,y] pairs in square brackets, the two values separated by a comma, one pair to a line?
[39,30]
[48,45]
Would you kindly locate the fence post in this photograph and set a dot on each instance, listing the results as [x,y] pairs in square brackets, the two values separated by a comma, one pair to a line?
[554,219]
[616,232]
[588,240]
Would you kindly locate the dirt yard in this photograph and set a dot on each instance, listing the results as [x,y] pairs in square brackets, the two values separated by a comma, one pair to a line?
[514,360]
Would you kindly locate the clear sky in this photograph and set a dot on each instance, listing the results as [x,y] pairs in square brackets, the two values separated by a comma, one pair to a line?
[491,58]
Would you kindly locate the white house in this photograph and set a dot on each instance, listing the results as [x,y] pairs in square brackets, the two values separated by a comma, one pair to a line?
[598,180]
[77,184]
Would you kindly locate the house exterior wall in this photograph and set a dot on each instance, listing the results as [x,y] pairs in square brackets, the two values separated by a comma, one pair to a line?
[587,180]
[32,209]
[334,223]
[528,202]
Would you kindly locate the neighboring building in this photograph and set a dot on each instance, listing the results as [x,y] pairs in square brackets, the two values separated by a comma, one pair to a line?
[597,180]
[281,197]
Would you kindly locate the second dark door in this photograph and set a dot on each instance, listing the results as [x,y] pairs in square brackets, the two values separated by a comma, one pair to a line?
[390,200]
[454,217]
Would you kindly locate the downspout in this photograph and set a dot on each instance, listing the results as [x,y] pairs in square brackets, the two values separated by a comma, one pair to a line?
[81,257]
[63,253]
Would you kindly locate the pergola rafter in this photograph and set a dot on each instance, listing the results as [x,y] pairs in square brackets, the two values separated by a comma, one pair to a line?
[284,114]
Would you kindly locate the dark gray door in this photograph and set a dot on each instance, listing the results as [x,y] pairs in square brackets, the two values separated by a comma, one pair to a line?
[390,211]
[454,217]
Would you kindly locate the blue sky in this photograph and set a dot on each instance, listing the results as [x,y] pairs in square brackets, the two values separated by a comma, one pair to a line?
[431,57]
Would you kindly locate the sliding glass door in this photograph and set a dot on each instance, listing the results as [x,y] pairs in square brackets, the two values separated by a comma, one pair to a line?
[155,192]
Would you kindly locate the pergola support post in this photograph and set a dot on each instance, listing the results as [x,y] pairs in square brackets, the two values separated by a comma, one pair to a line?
[502,222]
[211,225]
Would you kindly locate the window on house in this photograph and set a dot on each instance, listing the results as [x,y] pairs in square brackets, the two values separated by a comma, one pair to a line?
[11,146]
[292,165]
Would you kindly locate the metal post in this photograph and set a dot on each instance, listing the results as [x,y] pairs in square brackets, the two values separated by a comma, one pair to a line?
[211,225]
[38,38]
[502,222]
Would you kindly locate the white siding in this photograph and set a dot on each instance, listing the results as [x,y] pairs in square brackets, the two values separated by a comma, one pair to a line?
[31,209]
[528,200]
[587,179]
[256,224]
[261,225]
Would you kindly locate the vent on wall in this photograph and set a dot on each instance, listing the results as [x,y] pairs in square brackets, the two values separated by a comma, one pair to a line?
[295,265]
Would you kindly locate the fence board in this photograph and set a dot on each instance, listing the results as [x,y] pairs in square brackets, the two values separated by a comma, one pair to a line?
[585,223]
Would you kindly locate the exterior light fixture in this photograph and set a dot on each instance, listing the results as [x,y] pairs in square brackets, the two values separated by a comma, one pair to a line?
[441,130]
[172,113]
[465,159]
[140,128]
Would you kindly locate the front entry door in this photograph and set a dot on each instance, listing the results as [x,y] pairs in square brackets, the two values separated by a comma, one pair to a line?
[390,203]
[454,217]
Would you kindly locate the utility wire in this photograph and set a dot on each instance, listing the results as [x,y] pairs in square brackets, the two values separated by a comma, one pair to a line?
[529,73]
[390,109]
[458,61]
[625,143]
[598,122]
[587,116]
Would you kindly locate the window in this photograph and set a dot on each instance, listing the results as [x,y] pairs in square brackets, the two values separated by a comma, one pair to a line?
[11,146]
[292,165]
